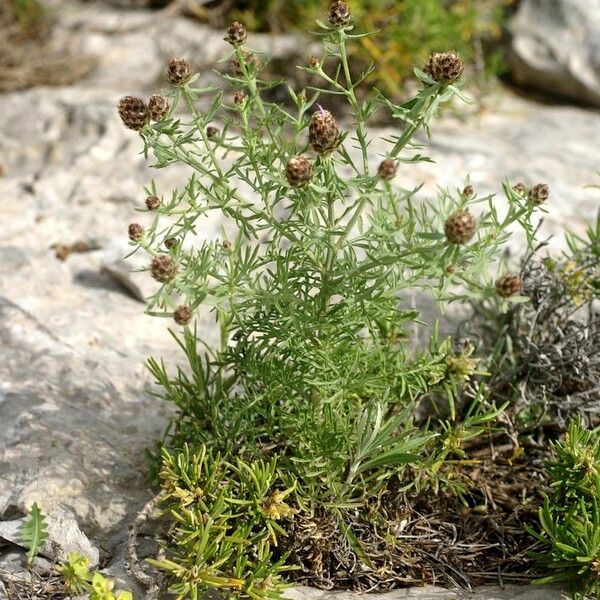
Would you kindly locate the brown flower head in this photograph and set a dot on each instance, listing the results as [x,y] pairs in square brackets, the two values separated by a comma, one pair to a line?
[539,193]
[171,242]
[520,188]
[226,245]
[182,315]
[444,67]
[387,169]
[212,132]
[339,14]
[509,285]
[460,227]
[179,70]
[163,268]
[323,132]
[314,62]
[159,106]
[136,232]
[133,112]
[468,192]
[236,34]
[299,171]
[239,98]
[152,203]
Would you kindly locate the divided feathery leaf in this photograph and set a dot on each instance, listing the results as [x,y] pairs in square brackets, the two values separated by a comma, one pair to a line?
[34,532]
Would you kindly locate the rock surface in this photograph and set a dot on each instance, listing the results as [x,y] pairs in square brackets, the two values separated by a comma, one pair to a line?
[511,592]
[556,48]
[75,416]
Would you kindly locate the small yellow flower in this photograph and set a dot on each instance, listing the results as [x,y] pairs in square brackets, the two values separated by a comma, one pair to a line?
[462,366]
[275,508]
[576,283]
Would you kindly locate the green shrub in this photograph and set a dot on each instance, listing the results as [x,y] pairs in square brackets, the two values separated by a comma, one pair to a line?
[310,394]
[409,31]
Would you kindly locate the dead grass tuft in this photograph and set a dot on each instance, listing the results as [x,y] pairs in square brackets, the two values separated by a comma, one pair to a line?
[28,54]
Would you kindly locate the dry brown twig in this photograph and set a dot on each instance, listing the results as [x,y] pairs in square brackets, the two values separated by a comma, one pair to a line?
[154,584]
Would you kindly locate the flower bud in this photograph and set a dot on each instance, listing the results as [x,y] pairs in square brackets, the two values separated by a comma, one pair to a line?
[133,112]
[171,242]
[468,192]
[226,245]
[299,171]
[539,193]
[387,169]
[211,132]
[509,285]
[314,63]
[163,268]
[159,106]
[323,132]
[339,14]
[136,232]
[444,67]
[239,98]
[460,227]
[179,70]
[236,34]
[182,315]
[152,203]
[520,188]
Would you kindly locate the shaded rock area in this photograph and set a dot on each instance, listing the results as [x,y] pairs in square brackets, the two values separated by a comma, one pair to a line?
[75,416]
[555,48]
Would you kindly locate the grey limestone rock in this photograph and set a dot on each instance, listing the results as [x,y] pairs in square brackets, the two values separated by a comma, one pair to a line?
[555,48]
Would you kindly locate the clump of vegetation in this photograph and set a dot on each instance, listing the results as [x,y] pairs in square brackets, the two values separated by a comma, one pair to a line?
[300,425]
[570,518]
[409,31]
[227,516]
[78,579]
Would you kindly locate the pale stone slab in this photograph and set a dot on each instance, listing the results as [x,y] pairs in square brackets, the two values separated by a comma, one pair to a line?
[511,592]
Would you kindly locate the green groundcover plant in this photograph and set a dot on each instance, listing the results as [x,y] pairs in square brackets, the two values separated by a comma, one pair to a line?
[570,518]
[306,409]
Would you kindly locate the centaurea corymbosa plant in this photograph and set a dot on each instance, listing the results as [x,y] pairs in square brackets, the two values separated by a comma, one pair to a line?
[313,370]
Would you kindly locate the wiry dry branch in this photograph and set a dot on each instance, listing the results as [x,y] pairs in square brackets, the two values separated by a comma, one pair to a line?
[546,353]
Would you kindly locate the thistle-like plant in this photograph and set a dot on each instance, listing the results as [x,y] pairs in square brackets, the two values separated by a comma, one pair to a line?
[34,532]
[308,286]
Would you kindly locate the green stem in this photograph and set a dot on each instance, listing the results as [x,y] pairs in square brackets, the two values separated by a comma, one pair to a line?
[360,129]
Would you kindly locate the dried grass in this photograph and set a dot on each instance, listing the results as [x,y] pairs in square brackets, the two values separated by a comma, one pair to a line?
[28,54]
[417,539]
[33,586]
[546,353]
